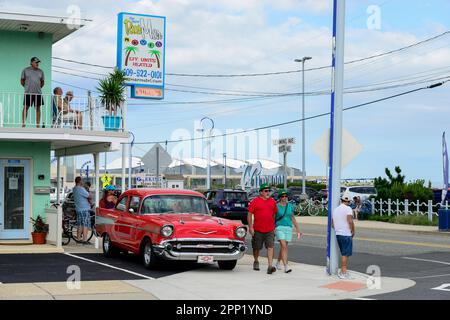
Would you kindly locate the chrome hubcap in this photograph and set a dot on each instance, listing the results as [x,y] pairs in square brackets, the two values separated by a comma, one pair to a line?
[147,254]
[106,243]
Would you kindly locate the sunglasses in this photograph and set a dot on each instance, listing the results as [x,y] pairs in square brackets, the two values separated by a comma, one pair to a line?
[266,190]
[284,196]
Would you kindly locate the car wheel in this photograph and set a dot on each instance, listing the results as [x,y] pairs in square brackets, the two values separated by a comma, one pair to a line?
[227,264]
[108,249]
[149,259]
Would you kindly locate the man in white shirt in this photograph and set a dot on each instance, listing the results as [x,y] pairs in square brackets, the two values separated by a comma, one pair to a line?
[345,231]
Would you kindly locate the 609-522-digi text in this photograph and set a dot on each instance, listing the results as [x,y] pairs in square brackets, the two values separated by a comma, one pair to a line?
[225,310]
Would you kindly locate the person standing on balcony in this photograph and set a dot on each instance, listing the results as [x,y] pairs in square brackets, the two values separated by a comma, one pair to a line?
[32,79]
[68,112]
[261,225]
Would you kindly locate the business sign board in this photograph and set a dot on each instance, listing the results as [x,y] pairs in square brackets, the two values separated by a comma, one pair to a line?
[141,92]
[141,45]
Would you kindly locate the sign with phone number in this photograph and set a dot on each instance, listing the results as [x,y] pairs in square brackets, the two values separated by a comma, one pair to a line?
[141,49]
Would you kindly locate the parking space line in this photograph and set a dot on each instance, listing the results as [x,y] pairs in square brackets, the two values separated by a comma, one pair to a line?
[109,266]
[430,277]
[406,243]
[426,260]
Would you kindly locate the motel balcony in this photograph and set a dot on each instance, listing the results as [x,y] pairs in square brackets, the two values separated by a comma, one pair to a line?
[88,128]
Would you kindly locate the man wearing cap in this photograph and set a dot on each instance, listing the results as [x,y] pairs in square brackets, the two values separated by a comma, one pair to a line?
[261,224]
[32,79]
[345,231]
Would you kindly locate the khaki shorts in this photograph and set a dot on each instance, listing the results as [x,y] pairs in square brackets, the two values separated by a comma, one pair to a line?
[260,239]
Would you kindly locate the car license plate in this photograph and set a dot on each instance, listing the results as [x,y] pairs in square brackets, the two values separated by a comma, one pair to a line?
[205,259]
[238,205]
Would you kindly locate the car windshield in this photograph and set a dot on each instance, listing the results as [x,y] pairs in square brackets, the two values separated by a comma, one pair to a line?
[235,196]
[162,204]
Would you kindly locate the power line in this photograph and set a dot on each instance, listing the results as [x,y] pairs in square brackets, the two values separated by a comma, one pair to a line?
[304,119]
[279,72]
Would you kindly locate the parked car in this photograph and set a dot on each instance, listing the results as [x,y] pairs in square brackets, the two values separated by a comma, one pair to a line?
[228,203]
[169,224]
[294,194]
[364,192]
[437,195]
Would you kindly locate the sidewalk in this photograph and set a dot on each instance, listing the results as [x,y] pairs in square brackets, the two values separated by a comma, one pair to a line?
[305,282]
[376,225]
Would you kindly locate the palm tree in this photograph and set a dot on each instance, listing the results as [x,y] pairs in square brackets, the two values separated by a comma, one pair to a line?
[128,50]
[112,89]
[157,54]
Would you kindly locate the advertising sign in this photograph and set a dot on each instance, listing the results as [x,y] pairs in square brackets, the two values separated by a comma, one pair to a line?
[146,92]
[141,45]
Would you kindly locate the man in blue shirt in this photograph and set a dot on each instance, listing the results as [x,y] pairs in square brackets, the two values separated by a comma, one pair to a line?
[83,202]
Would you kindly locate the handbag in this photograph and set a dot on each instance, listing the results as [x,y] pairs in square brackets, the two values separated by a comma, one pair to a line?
[285,210]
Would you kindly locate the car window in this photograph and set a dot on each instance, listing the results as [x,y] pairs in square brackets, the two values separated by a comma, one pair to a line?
[122,205]
[211,195]
[134,204]
[164,204]
[235,196]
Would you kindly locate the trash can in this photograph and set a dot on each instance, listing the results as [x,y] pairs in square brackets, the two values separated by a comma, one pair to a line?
[444,220]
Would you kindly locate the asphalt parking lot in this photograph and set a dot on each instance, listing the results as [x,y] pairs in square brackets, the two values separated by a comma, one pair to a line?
[55,267]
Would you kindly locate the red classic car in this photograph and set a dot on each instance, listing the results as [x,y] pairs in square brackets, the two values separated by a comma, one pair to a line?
[169,224]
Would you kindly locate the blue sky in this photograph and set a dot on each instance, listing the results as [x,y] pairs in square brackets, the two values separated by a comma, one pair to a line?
[226,37]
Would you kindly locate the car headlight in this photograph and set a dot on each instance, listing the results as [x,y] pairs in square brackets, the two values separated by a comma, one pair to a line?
[167,231]
[241,232]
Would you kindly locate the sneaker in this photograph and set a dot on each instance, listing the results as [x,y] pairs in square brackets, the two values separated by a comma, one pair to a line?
[256,266]
[342,275]
[287,269]
[271,270]
[278,265]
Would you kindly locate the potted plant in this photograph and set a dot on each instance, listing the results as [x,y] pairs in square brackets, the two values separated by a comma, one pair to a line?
[112,91]
[40,230]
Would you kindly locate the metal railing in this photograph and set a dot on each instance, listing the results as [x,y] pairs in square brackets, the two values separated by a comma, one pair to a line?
[397,207]
[88,113]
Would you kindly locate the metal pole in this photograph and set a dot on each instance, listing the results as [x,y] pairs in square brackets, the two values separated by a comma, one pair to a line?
[157,166]
[225,170]
[285,169]
[96,181]
[130,161]
[58,179]
[303,129]
[208,180]
[124,146]
[336,130]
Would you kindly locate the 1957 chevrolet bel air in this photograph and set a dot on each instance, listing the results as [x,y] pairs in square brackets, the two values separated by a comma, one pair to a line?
[169,224]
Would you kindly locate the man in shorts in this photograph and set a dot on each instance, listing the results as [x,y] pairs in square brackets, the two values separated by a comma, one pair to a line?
[83,202]
[261,224]
[32,79]
[345,231]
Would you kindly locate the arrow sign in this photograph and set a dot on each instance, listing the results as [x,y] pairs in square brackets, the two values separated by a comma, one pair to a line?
[444,287]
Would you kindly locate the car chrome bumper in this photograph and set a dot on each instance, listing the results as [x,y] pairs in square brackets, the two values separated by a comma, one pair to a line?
[167,251]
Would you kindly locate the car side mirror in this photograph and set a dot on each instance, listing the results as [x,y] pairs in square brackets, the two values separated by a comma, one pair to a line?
[131,210]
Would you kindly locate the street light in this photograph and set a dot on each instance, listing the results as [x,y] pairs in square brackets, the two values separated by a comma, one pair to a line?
[208,170]
[303,60]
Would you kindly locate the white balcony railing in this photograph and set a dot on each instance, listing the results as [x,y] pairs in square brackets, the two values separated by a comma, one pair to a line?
[88,113]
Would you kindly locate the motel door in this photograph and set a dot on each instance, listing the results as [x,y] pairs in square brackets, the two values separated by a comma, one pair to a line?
[14,199]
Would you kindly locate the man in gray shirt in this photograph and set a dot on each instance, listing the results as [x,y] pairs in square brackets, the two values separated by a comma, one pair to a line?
[32,79]
[83,202]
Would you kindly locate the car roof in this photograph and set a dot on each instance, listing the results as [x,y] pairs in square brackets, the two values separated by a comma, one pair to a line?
[150,192]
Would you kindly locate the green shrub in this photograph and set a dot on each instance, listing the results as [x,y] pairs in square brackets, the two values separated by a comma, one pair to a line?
[417,220]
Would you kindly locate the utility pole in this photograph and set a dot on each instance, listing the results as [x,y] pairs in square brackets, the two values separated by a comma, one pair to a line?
[157,167]
[130,161]
[335,153]
[225,170]
[303,60]
[208,169]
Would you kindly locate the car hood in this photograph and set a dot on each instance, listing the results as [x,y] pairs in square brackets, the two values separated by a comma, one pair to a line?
[200,226]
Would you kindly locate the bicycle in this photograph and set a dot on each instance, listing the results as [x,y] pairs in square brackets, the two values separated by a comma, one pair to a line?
[309,207]
[70,230]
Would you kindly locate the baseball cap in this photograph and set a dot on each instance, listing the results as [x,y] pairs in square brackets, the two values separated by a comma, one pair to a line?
[282,192]
[346,199]
[35,59]
[264,186]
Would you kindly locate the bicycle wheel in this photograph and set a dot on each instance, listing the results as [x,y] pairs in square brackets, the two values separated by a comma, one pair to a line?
[65,238]
[74,234]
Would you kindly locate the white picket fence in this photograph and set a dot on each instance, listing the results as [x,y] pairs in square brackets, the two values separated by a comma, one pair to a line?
[397,207]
